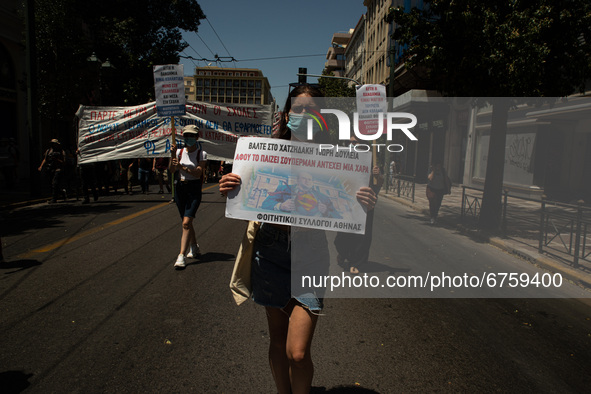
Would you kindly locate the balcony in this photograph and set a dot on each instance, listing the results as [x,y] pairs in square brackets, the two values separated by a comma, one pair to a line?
[333,64]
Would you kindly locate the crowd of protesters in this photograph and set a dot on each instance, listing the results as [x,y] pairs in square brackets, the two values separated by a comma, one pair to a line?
[67,179]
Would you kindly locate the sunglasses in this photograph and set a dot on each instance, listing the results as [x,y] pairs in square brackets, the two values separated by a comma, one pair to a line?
[299,108]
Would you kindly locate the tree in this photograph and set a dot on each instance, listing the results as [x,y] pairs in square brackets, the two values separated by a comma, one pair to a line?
[134,35]
[333,87]
[498,48]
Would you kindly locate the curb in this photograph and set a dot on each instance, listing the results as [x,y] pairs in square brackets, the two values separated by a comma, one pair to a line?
[569,273]
[549,265]
[15,205]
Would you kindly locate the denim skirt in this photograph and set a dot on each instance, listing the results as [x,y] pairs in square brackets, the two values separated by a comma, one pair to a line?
[280,255]
[187,196]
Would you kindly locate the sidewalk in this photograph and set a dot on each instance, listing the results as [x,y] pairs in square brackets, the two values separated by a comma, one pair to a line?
[521,237]
[20,196]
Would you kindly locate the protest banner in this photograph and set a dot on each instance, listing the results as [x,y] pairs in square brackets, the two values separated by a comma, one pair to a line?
[112,133]
[372,105]
[297,184]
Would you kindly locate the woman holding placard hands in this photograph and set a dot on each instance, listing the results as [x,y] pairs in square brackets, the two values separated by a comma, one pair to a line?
[291,319]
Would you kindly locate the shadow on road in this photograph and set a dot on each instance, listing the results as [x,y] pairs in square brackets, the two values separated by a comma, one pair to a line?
[212,257]
[451,224]
[374,266]
[342,390]
[14,381]
[52,215]
[19,265]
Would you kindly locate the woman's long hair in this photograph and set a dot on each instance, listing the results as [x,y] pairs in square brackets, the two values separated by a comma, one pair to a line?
[284,131]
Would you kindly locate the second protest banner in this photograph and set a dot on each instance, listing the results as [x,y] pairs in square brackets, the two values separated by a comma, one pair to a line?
[299,184]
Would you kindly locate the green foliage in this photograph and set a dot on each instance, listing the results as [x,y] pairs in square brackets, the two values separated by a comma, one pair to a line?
[333,87]
[499,48]
[133,35]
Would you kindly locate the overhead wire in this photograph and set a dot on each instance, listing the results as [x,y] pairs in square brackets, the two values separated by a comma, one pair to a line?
[207,46]
[216,34]
[232,59]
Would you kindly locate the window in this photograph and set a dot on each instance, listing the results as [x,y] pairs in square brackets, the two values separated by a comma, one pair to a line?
[214,92]
[257,93]
[236,83]
[230,74]
[222,83]
[243,84]
[206,83]
[258,84]
[244,74]
[208,73]
[249,101]
[251,84]
[214,82]
[257,101]
[242,101]
[251,74]
[206,91]
[200,82]
[228,92]
[235,92]
[199,91]
[243,93]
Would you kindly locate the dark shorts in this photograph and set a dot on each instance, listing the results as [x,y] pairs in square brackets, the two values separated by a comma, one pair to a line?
[274,263]
[187,196]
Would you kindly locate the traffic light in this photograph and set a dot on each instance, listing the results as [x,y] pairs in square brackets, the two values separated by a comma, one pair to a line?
[302,78]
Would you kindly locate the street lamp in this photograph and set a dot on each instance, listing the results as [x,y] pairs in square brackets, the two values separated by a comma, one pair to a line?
[100,67]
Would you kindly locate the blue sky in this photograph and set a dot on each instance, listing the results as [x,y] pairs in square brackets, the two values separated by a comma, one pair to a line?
[271,28]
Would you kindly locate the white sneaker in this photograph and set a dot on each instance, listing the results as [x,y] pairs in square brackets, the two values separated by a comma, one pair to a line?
[194,251]
[180,261]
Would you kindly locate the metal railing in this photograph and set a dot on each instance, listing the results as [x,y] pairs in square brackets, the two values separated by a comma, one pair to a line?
[564,228]
[558,228]
[470,203]
[402,186]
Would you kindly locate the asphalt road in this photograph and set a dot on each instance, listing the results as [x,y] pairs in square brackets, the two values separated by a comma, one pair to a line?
[90,303]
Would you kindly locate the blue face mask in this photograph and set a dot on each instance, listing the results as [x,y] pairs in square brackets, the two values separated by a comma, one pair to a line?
[190,141]
[298,124]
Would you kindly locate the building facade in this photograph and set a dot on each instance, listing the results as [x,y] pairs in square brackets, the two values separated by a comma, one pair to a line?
[190,92]
[377,42]
[355,52]
[335,56]
[231,85]
[13,100]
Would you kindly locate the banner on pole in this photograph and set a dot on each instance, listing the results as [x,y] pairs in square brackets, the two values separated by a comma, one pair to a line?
[371,103]
[112,133]
[169,86]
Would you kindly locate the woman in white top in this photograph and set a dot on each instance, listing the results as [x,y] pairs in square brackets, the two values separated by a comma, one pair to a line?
[190,161]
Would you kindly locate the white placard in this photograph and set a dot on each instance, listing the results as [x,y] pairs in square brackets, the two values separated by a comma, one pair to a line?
[297,184]
[170,89]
